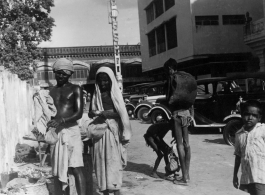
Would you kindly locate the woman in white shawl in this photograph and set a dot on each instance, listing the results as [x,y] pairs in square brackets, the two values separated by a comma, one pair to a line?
[109,145]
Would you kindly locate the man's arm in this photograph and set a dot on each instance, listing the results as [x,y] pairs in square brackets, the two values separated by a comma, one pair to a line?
[236,168]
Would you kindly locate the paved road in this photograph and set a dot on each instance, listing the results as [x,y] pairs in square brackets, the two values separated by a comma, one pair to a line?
[211,167]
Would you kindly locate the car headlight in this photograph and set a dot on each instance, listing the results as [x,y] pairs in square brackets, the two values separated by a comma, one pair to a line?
[140,100]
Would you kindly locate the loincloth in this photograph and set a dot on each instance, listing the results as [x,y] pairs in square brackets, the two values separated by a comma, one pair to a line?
[184,116]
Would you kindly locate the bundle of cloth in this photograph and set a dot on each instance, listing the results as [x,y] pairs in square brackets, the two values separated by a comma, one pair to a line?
[44,110]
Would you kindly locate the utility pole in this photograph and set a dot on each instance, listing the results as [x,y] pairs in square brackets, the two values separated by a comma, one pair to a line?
[117,59]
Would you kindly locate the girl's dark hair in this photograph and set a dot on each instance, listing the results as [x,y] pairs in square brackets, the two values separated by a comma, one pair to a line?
[252,103]
[171,63]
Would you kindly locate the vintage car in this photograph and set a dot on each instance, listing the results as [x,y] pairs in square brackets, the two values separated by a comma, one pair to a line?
[151,94]
[132,90]
[149,91]
[217,98]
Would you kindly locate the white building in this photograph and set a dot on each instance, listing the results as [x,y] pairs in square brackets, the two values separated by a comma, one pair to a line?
[204,36]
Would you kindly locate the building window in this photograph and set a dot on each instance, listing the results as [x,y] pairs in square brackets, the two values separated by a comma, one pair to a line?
[78,76]
[150,14]
[233,19]
[50,75]
[159,8]
[86,74]
[152,43]
[74,75]
[82,74]
[161,39]
[171,29]
[206,20]
[169,4]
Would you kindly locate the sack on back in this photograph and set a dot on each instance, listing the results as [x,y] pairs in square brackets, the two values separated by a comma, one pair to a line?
[183,90]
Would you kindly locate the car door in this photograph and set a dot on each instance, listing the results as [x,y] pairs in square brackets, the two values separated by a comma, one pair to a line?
[227,95]
[205,103]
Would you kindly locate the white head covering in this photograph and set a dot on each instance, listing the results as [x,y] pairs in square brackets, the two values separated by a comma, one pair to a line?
[117,100]
[64,64]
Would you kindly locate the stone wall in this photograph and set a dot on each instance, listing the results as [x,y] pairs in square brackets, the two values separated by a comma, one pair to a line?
[16,114]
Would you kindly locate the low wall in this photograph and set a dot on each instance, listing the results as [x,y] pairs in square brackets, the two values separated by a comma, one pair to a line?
[16,114]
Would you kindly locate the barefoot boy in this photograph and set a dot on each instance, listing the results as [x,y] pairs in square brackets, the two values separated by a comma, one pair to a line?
[250,150]
[181,113]
[154,138]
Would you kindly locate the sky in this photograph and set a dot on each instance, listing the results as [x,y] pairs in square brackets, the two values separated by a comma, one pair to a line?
[85,23]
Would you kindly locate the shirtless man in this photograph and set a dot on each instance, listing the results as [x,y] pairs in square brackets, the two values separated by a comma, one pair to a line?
[181,120]
[68,99]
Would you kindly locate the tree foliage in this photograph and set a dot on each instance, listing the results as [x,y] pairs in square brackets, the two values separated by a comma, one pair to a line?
[23,25]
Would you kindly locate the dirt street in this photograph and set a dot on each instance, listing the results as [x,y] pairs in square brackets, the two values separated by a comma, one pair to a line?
[211,167]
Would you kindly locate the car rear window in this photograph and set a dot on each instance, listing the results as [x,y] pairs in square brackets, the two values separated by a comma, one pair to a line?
[205,89]
[255,85]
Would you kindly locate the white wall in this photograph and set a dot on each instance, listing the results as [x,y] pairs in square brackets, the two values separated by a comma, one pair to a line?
[16,114]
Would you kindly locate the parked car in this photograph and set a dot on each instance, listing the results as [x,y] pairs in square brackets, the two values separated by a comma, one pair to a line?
[216,98]
[151,94]
[132,90]
[143,91]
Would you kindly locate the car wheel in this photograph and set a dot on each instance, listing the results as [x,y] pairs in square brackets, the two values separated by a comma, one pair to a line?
[142,114]
[230,131]
[158,116]
[129,110]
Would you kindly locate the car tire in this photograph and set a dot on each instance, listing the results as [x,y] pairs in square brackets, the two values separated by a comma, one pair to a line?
[230,130]
[156,114]
[129,110]
[141,112]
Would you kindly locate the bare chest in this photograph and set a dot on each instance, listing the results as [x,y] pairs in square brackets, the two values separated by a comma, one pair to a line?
[62,96]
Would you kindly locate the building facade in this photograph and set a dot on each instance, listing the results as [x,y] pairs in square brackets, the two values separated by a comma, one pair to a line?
[254,37]
[86,62]
[205,37]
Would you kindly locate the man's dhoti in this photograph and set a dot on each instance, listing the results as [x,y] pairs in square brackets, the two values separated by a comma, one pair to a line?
[67,152]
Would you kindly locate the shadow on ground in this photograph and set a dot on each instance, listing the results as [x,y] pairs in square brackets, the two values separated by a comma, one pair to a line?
[215,141]
[140,168]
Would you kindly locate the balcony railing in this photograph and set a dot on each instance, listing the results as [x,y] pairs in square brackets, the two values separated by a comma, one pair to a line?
[254,27]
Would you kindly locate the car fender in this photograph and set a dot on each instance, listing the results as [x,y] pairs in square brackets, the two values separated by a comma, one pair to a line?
[231,116]
[162,108]
[131,105]
[142,104]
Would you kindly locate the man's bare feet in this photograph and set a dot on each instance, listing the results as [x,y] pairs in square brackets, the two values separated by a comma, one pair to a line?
[154,175]
[181,178]
[180,182]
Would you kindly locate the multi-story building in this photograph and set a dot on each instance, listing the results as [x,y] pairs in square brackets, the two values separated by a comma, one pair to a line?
[204,36]
[88,59]
[254,37]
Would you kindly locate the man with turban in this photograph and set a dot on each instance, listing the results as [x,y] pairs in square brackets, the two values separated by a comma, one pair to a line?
[66,153]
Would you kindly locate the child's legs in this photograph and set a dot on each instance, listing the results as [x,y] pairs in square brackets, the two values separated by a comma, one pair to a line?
[181,152]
